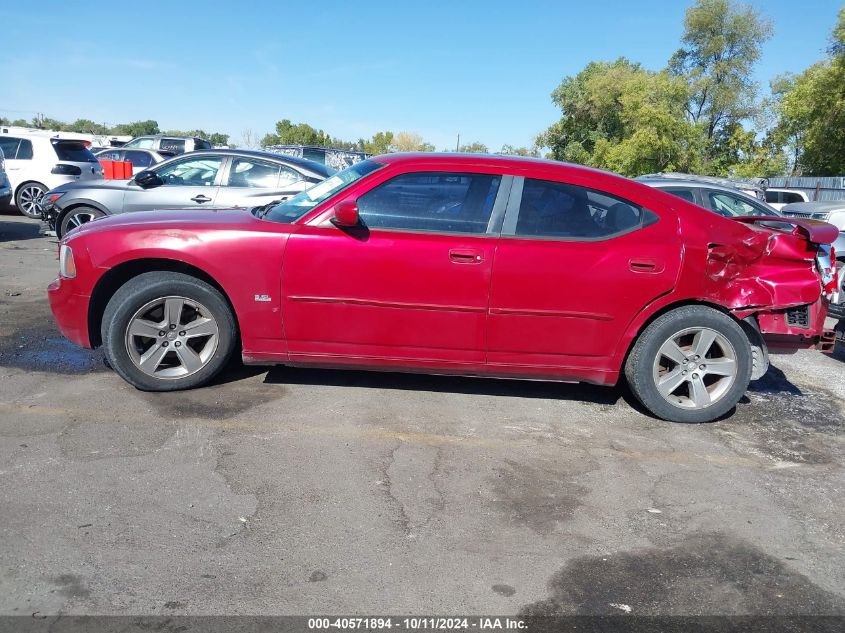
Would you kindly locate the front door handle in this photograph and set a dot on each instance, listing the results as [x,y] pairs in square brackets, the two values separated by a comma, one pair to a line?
[466,256]
[201,198]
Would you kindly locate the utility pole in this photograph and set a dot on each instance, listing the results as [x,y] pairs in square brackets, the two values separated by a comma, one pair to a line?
[458,144]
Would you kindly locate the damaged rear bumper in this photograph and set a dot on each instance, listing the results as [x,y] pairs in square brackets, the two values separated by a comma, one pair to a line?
[798,327]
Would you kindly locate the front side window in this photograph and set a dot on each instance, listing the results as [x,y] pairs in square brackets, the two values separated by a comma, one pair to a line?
[790,197]
[143,142]
[294,208]
[429,201]
[193,172]
[559,210]
[9,145]
[772,196]
[248,172]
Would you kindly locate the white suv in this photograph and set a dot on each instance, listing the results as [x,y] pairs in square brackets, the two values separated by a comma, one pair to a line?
[36,163]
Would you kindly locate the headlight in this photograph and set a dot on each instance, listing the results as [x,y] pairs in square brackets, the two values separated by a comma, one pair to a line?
[50,198]
[67,267]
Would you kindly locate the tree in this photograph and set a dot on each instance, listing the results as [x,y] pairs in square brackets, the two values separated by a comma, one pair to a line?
[474,148]
[86,126]
[20,123]
[249,139]
[720,45]
[510,150]
[136,128]
[811,112]
[619,116]
[288,133]
[379,144]
[410,142]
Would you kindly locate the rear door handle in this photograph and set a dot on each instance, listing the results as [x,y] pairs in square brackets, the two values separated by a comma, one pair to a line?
[466,256]
[645,265]
[201,198]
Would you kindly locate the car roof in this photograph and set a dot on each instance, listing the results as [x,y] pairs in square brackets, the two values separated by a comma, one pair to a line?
[310,165]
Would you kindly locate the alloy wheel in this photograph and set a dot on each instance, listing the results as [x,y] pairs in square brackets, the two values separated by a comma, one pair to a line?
[29,200]
[694,368]
[171,337]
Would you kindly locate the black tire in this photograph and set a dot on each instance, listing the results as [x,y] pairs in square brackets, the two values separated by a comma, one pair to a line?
[639,368]
[24,199]
[77,216]
[151,287]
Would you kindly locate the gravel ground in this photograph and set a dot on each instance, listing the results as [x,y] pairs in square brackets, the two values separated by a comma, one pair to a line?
[307,492]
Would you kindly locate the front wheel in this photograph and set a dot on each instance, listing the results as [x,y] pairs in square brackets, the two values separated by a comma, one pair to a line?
[76,217]
[165,331]
[692,364]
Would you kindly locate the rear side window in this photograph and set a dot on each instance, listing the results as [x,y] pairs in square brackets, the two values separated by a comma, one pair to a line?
[202,144]
[175,145]
[730,206]
[248,172]
[110,155]
[685,194]
[73,152]
[427,201]
[139,159]
[9,145]
[143,142]
[25,150]
[789,197]
[559,210]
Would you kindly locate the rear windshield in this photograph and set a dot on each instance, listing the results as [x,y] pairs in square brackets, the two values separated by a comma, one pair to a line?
[74,152]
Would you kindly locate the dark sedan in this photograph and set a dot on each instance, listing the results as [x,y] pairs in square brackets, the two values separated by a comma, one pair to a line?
[209,179]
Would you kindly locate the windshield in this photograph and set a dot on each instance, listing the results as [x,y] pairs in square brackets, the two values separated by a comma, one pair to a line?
[294,208]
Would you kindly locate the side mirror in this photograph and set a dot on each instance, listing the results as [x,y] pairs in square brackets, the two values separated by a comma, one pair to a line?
[346,214]
[148,179]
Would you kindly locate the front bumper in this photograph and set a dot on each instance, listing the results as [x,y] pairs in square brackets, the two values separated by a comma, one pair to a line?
[70,310]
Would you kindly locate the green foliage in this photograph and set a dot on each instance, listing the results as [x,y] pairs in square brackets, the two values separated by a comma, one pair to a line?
[619,116]
[136,128]
[475,147]
[510,150]
[288,133]
[379,144]
[811,112]
[720,45]
[215,138]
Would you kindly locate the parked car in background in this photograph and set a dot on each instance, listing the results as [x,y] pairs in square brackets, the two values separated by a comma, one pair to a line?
[709,193]
[36,163]
[169,144]
[209,178]
[390,265]
[778,198]
[5,187]
[141,159]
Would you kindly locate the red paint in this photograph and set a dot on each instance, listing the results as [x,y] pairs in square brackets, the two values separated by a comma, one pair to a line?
[464,304]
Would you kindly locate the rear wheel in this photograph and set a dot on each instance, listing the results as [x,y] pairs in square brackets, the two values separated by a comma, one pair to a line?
[165,331]
[692,364]
[28,199]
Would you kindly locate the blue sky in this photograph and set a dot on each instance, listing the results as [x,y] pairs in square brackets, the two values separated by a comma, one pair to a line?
[481,68]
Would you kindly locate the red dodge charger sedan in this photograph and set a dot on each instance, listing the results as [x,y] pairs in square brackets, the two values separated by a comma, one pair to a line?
[460,264]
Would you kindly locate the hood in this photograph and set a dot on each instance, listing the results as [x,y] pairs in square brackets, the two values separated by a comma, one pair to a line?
[184,219]
[91,185]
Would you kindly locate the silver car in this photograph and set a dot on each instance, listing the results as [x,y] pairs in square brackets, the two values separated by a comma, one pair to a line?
[714,194]
[214,179]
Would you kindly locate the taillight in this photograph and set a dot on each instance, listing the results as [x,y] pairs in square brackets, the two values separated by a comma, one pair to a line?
[67,267]
[66,170]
